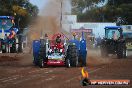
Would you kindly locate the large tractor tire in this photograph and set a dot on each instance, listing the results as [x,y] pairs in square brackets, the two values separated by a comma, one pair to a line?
[72,56]
[122,51]
[42,55]
[41,62]
[68,64]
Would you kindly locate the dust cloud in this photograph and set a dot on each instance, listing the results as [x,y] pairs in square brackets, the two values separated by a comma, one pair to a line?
[94,58]
[49,19]
[49,22]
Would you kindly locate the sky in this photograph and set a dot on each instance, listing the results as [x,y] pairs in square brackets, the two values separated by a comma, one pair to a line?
[39,3]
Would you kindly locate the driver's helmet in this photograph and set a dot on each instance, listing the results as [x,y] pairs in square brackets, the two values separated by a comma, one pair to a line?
[74,34]
[58,38]
[46,35]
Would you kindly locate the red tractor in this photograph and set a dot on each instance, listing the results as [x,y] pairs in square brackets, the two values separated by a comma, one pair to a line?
[58,51]
[57,45]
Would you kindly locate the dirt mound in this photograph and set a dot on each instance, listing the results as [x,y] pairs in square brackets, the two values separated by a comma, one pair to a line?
[8,58]
[26,59]
[16,60]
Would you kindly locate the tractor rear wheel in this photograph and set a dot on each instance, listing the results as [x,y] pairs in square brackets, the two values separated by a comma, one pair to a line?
[125,53]
[72,55]
[41,57]
[42,54]
[68,64]
[41,62]
[122,51]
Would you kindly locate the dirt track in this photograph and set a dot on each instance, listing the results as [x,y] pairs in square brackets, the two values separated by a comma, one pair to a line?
[20,72]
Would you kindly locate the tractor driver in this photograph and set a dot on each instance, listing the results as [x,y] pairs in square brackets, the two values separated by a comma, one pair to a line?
[58,39]
[59,45]
[115,35]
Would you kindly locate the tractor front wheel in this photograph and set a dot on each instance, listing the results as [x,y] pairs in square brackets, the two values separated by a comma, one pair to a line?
[42,53]
[72,55]
[68,64]
[121,53]
[41,62]
[124,51]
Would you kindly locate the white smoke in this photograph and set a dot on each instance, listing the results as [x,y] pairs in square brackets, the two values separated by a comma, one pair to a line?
[54,9]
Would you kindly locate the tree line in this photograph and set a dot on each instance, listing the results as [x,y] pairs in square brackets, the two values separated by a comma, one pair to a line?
[87,10]
[22,10]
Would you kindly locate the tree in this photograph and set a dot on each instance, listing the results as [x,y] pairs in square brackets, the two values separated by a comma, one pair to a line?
[122,8]
[107,13]
[80,5]
[22,10]
[118,2]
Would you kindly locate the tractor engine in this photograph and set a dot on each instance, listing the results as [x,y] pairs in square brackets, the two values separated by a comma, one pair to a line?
[59,52]
[56,45]
[57,48]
